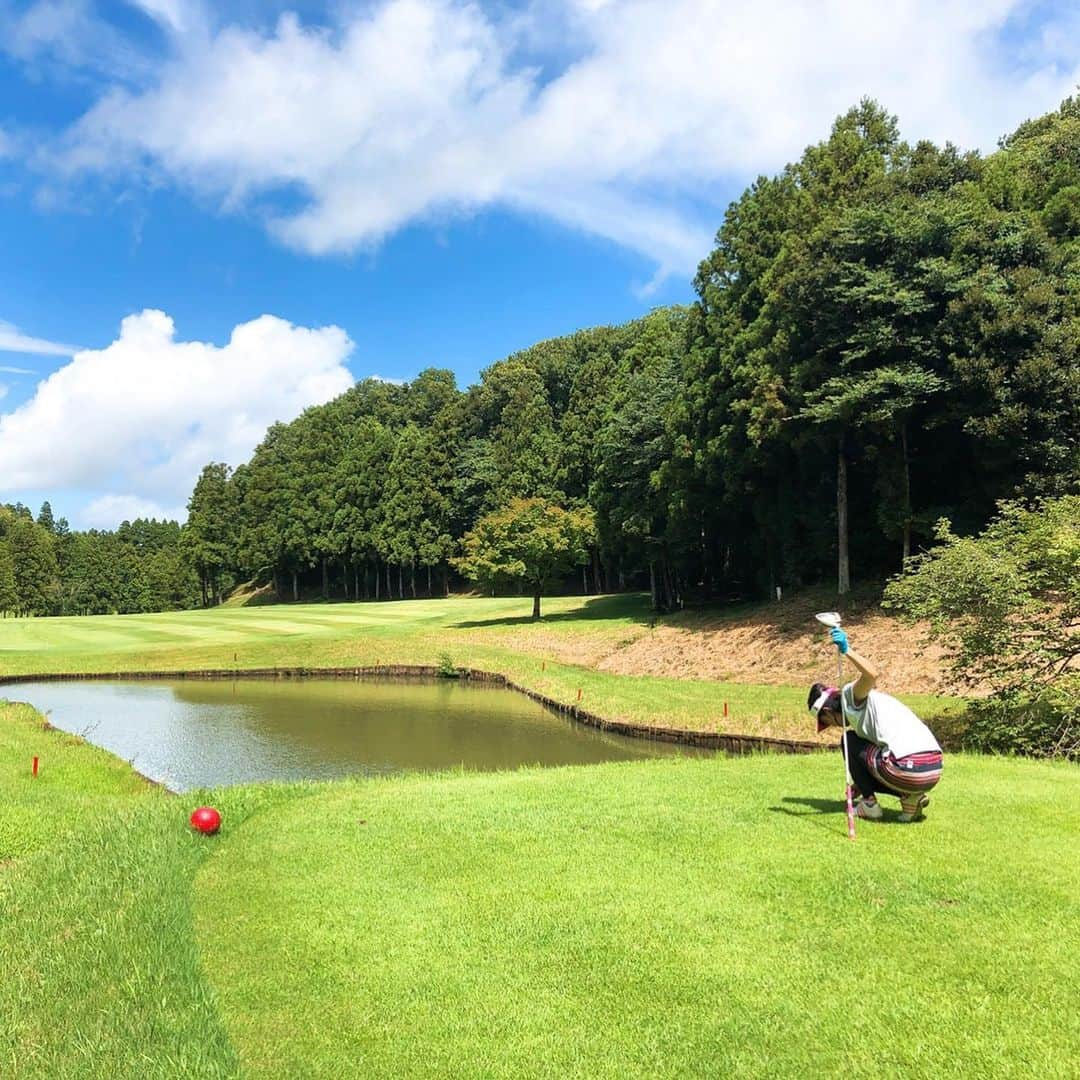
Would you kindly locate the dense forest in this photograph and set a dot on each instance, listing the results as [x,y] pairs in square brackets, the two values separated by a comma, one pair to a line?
[884,335]
[46,568]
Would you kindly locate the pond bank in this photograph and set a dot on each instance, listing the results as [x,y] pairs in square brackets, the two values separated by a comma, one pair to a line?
[713,740]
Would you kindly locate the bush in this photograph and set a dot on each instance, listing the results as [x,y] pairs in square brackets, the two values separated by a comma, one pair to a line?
[1010,723]
[1006,606]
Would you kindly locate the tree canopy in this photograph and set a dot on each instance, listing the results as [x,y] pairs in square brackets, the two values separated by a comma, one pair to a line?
[884,334]
[529,541]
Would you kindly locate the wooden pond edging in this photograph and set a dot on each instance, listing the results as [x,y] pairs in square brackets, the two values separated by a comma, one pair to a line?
[711,740]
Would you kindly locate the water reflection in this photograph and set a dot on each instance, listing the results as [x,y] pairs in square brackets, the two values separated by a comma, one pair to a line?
[195,733]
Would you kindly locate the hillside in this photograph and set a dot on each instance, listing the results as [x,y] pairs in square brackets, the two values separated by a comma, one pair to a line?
[780,644]
[775,644]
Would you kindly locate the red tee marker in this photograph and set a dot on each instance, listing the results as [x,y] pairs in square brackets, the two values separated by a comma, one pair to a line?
[34,771]
[206,819]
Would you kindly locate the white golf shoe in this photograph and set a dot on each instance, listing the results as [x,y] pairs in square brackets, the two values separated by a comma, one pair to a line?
[871,811]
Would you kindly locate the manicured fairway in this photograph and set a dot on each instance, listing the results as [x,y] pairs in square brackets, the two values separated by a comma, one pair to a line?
[667,919]
[557,656]
[682,918]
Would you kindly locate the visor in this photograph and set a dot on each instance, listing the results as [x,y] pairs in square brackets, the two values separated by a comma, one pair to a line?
[819,704]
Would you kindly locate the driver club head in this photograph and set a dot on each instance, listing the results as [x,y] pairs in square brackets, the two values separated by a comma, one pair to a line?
[829,618]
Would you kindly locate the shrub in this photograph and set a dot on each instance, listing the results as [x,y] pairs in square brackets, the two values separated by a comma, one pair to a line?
[447,668]
[1006,606]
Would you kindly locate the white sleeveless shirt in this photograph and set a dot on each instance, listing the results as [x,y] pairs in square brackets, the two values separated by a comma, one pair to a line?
[889,723]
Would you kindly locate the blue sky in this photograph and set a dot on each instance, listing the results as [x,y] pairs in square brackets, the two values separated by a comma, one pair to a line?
[285,197]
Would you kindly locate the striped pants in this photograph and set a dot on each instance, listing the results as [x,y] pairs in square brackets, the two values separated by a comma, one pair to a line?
[875,770]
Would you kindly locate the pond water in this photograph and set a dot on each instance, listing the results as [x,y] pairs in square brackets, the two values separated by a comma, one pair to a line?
[202,733]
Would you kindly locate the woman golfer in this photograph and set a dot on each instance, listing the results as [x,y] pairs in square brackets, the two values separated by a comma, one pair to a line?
[889,749]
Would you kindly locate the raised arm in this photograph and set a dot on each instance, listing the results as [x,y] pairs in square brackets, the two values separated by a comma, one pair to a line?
[868,674]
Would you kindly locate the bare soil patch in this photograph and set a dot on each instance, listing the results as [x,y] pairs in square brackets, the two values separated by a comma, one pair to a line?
[776,644]
[768,645]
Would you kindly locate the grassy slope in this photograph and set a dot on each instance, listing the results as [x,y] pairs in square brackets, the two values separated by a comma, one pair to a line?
[484,633]
[102,974]
[667,919]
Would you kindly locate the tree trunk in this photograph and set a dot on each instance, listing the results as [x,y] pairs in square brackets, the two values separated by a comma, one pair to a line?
[356,581]
[277,584]
[400,582]
[295,587]
[325,580]
[445,580]
[907,491]
[652,585]
[597,571]
[536,604]
[429,579]
[843,584]
[202,584]
[376,579]
[584,579]
[412,577]
[389,585]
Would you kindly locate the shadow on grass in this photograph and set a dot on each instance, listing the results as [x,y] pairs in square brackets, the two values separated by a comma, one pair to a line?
[832,806]
[819,806]
[632,606]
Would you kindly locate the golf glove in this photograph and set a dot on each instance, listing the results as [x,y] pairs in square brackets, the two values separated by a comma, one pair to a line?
[839,639]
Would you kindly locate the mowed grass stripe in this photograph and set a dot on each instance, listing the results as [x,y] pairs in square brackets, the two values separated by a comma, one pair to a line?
[489,634]
[662,919]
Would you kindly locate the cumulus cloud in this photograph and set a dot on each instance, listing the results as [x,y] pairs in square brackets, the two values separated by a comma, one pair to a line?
[411,109]
[108,511]
[12,339]
[138,419]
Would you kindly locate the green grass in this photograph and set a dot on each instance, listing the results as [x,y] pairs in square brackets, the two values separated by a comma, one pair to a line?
[76,783]
[553,657]
[671,918]
[667,919]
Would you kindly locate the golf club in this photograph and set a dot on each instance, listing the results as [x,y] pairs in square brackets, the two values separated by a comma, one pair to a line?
[832,619]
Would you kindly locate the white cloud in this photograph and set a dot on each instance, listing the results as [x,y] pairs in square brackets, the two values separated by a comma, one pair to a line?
[138,419]
[70,34]
[175,15]
[12,339]
[108,511]
[414,109]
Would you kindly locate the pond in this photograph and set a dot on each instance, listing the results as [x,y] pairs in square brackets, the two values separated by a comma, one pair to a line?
[202,733]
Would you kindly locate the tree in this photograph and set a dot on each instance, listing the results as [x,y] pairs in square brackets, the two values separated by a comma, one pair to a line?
[34,558]
[209,537]
[9,597]
[1006,605]
[531,541]
[45,517]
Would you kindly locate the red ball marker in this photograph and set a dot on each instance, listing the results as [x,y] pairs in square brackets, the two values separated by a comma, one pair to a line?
[206,819]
